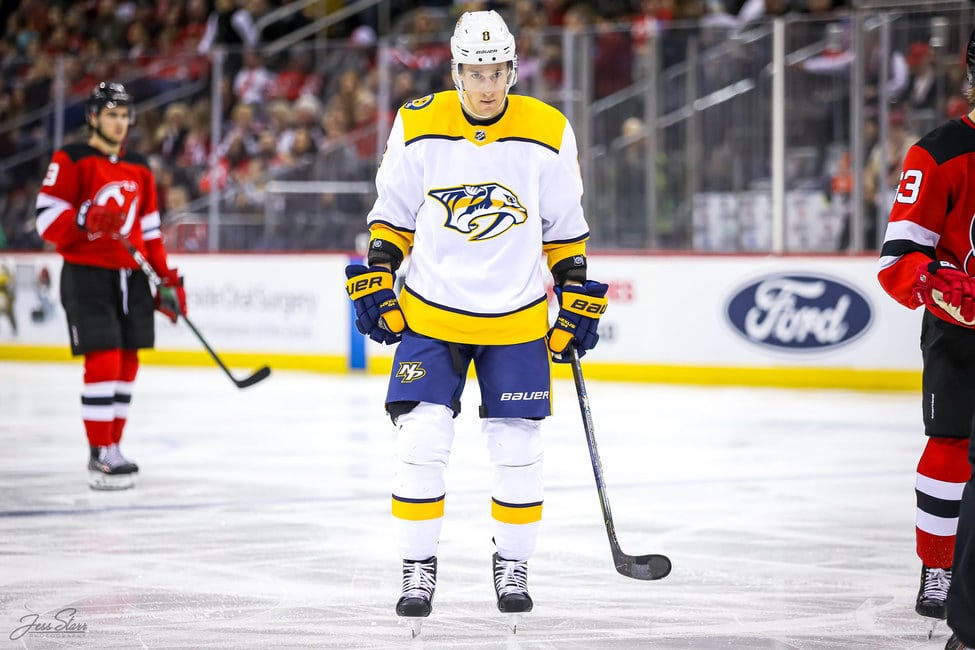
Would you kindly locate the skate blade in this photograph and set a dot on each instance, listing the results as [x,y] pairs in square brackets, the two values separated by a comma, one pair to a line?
[513,621]
[414,623]
[100,481]
[932,626]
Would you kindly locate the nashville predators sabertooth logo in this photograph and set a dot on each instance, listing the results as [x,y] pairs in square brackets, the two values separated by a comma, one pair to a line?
[481,211]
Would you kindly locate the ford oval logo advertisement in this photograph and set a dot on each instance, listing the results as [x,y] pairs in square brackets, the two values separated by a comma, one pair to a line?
[799,312]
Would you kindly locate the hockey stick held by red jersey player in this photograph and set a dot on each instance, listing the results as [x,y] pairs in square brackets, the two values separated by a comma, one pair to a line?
[170,305]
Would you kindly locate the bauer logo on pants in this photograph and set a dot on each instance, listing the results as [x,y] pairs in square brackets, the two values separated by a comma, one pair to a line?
[799,312]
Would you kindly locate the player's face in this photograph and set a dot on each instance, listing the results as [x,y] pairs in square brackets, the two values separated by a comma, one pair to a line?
[485,87]
[114,122]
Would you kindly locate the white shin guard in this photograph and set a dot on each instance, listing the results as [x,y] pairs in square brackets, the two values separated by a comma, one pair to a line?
[423,440]
[515,447]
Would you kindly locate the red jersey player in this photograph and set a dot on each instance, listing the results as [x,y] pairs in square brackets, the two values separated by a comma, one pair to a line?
[92,195]
[928,259]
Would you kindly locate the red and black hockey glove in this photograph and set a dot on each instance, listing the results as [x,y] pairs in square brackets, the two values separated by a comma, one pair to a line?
[377,312]
[580,307]
[100,219]
[170,295]
[943,288]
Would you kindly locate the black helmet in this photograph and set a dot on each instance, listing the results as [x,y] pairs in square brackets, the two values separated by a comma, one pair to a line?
[109,94]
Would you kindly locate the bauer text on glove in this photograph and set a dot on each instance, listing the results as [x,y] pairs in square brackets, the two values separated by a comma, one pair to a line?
[376,309]
[170,295]
[580,307]
[945,289]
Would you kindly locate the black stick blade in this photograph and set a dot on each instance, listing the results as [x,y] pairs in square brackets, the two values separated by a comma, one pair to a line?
[259,375]
[643,567]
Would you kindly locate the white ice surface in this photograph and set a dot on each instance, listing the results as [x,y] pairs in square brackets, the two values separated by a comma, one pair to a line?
[261,519]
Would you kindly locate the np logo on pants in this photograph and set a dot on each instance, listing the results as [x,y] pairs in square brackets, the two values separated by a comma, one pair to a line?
[410,371]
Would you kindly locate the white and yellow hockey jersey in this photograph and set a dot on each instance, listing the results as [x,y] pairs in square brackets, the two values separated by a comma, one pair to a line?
[475,206]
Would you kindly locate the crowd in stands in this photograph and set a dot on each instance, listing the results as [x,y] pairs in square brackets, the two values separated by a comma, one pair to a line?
[310,110]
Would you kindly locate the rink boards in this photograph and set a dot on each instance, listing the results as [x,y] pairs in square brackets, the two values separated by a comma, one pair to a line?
[817,321]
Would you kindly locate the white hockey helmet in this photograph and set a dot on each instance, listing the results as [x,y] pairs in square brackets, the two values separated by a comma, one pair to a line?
[482,37]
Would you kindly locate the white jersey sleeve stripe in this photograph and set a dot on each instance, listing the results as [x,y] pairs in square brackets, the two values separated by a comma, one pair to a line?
[49,208]
[151,224]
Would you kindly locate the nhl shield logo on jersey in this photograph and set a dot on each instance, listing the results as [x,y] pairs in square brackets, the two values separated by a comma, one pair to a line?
[481,211]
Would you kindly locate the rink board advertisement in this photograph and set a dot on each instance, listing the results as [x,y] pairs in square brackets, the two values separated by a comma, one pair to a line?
[288,306]
[814,320]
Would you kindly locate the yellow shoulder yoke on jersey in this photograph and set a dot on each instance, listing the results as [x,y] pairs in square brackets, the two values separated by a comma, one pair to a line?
[525,119]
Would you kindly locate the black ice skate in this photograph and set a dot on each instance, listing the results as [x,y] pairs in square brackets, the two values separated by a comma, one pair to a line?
[511,588]
[419,583]
[955,644]
[933,591]
[109,470]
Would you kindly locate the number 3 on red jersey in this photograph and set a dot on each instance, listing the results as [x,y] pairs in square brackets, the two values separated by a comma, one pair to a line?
[52,174]
[909,186]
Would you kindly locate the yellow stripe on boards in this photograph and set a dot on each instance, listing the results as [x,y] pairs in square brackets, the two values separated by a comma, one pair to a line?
[508,513]
[781,377]
[418,509]
[772,377]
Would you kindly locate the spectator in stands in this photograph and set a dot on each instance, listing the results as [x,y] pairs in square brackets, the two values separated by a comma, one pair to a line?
[230,26]
[630,178]
[243,130]
[39,77]
[301,154]
[172,132]
[76,26]
[922,93]
[228,165]
[306,114]
[253,82]
[365,117]
[247,187]
[882,174]
[279,117]
[196,146]
[193,26]
[296,79]
[108,26]
[172,63]
[646,27]
[893,88]
[138,46]
[267,151]
[177,201]
[347,92]
[404,89]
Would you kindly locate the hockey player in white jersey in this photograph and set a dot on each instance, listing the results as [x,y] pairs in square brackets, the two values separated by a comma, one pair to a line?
[476,186]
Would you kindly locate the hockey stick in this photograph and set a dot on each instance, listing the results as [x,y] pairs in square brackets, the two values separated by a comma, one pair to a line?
[641,567]
[258,375]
